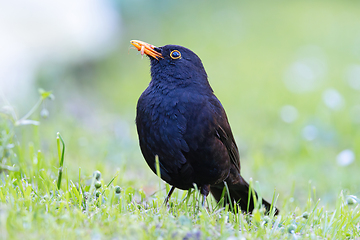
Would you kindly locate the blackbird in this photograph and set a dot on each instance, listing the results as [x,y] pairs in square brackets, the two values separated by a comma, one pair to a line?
[180,120]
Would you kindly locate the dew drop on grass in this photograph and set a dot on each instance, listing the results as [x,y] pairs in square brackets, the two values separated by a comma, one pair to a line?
[44,113]
[345,157]
[97,184]
[288,113]
[291,228]
[118,189]
[97,194]
[350,200]
[97,175]
[266,219]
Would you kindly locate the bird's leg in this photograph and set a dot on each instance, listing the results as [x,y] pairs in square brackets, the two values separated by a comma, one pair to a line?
[169,195]
[203,201]
[204,190]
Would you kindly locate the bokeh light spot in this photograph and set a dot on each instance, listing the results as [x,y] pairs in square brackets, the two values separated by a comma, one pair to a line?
[333,99]
[355,113]
[353,76]
[307,72]
[345,157]
[288,113]
[310,132]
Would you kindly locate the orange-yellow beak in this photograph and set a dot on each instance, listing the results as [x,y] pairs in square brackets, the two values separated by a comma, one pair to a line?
[146,48]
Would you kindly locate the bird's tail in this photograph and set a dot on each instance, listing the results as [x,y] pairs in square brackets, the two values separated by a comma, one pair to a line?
[239,193]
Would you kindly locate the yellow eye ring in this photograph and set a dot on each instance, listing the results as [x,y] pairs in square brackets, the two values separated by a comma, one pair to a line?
[175,54]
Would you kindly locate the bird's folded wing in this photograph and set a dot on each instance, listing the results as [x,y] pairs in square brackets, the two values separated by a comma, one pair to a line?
[228,140]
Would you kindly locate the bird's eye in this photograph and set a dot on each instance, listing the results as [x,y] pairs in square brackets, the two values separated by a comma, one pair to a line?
[175,54]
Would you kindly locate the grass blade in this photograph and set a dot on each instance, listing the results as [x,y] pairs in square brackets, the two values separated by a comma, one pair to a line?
[61,158]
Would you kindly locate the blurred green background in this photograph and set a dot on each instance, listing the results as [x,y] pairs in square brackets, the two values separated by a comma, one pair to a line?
[287,73]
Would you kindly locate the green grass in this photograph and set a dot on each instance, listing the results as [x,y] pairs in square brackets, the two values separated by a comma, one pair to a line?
[32,207]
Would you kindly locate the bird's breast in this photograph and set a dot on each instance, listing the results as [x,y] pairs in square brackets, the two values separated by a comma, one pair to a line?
[179,126]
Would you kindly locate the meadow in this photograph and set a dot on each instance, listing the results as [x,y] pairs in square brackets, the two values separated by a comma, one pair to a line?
[288,76]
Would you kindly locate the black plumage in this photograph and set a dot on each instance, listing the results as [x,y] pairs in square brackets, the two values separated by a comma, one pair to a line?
[180,120]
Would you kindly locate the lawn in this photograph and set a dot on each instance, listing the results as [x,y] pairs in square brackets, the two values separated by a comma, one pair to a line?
[288,76]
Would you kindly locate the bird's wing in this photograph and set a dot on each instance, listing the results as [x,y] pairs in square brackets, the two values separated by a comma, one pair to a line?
[229,142]
[224,133]
[209,113]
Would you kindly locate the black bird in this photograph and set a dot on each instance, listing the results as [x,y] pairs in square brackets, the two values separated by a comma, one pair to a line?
[180,120]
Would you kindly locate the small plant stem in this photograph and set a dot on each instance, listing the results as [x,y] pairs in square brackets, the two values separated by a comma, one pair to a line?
[61,158]
[32,110]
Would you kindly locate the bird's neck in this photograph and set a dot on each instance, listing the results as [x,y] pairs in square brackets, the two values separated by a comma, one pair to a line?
[174,84]
[175,80]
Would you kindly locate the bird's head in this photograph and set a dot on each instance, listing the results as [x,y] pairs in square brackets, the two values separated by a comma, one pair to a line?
[173,63]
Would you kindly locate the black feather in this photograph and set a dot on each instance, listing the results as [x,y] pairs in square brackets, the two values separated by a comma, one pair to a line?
[180,120]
